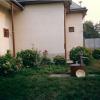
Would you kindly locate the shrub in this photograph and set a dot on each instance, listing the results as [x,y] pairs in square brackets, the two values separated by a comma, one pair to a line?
[46,61]
[59,60]
[96,54]
[29,58]
[75,54]
[8,64]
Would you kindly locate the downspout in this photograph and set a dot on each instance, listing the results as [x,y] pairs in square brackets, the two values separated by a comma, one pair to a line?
[65,40]
[65,36]
[66,10]
[13,34]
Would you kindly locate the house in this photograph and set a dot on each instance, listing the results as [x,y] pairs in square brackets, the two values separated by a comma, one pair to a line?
[53,25]
[97,27]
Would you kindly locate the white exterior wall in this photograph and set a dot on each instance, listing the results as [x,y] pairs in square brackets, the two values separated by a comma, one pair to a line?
[41,25]
[75,38]
[4,23]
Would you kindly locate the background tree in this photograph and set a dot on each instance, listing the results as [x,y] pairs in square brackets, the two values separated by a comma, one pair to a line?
[89,30]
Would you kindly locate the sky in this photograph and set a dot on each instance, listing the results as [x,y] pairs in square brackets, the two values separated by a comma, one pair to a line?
[93,13]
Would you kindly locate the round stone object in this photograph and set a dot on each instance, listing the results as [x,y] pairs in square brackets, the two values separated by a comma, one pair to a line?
[80,73]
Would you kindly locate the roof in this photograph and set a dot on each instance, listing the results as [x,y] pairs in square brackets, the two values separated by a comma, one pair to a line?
[73,7]
[77,8]
[37,0]
[25,2]
[18,4]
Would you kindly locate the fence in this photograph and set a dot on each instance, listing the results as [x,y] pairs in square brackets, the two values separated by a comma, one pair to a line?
[92,43]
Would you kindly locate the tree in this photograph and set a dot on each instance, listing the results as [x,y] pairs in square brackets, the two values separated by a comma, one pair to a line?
[89,30]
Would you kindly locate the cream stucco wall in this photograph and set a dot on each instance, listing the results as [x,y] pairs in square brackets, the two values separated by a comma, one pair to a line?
[75,38]
[4,23]
[41,25]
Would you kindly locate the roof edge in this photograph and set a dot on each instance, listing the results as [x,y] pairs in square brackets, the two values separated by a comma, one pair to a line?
[81,10]
[18,4]
[42,2]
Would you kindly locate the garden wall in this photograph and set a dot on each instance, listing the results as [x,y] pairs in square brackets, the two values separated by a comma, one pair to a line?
[92,43]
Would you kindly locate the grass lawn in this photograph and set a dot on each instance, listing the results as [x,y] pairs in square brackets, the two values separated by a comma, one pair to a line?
[34,84]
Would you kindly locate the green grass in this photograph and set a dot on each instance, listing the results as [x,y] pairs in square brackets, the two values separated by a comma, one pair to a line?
[94,67]
[34,84]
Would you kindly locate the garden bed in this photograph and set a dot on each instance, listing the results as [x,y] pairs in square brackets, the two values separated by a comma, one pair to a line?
[34,84]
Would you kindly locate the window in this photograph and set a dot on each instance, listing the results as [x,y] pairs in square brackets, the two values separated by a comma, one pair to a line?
[6,32]
[71,29]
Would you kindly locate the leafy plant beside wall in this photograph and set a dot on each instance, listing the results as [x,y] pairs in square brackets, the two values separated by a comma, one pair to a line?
[96,54]
[45,60]
[59,60]
[9,64]
[75,54]
[30,58]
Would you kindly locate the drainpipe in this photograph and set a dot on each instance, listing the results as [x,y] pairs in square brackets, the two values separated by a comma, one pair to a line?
[66,11]
[13,36]
[65,40]
[65,47]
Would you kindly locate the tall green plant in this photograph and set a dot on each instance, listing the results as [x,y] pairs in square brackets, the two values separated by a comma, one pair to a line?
[96,54]
[30,58]
[59,60]
[45,60]
[9,64]
[75,54]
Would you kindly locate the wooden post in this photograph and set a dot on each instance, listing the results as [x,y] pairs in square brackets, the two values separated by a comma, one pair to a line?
[13,36]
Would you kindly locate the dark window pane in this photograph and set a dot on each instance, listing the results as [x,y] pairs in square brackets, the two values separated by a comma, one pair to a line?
[71,29]
[6,32]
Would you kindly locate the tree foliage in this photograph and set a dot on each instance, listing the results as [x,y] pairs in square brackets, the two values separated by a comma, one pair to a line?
[89,30]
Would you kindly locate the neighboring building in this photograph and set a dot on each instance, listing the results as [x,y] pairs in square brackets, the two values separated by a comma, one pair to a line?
[53,25]
[97,27]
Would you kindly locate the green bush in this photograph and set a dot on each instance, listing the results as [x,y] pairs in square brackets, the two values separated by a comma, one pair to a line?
[45,61]
[29,58]
[96,54]
[9,64]
[75,55]
[59,60]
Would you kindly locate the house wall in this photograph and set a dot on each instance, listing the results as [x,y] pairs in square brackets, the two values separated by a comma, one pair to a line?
[75,38]
[4,23]
[41,26]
